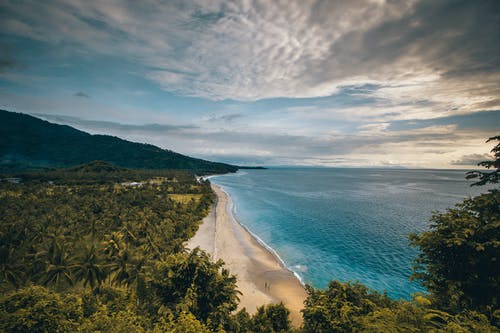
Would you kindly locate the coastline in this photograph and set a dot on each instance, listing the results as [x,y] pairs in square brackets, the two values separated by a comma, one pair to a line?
[263,278]
[259,240]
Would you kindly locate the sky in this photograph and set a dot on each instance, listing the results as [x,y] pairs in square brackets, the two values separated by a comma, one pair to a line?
[326,83]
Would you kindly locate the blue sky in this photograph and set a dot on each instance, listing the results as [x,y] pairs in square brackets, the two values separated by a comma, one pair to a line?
[331,83]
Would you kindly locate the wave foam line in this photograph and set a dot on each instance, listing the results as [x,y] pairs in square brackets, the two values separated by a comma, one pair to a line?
[231,213]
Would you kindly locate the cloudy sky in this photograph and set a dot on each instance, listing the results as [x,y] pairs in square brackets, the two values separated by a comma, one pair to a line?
[332,83]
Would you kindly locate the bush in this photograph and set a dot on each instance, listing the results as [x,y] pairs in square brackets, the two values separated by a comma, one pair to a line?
[36,309]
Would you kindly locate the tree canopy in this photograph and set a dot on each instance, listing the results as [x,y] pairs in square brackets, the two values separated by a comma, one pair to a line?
[459,259]
[487,177]
[458,262]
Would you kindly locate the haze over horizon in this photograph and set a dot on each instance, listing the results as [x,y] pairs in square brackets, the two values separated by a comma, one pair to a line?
[328,83]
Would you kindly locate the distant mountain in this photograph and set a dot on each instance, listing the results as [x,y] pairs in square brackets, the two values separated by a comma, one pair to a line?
[28,142]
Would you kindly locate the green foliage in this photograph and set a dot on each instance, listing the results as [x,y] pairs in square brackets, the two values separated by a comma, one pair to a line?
[353,308]
[88,268]
[191,282]
[102,235]
[98,248]
[407,317]
[239,322]
[339,307]
[114,321]
[62,229]
[493,176]
[185,323]
[11,271]
[36,309]
[29,142]
[459,258]
[58,266]
[99,172]
[272,318]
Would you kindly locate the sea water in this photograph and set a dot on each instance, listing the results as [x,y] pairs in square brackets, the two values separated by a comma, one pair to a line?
[344,224]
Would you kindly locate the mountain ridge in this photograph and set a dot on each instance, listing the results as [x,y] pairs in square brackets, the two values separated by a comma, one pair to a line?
[29,142]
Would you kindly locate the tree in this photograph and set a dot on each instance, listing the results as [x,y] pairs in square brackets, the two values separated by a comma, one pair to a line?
[114,321]
[186,322]
[492,176]
[459,258]
[85,226]
[123,265]
[36,309]
[340,307]
[410,317]
[58,267]
[272,318]
[191,282]
[88,268]
[239,322]
[347,307]
[10,269]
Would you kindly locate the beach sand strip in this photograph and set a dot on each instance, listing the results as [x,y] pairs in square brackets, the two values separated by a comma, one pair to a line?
[262,279]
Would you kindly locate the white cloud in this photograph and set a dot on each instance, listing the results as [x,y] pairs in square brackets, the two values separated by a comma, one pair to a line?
[421,60]
[246,50]
[374,145]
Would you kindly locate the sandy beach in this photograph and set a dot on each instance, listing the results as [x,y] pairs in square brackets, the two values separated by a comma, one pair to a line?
[261,277]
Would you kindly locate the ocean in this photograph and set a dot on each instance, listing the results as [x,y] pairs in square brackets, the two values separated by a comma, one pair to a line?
[342,223]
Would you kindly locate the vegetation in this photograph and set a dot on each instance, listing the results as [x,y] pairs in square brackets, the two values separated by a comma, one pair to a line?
[98,248]
[458,262]
[488,177]
[459,259]
[110,238]
[28,143]
[346,307]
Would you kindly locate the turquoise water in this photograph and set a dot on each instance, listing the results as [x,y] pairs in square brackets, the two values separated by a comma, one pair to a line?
[345,224]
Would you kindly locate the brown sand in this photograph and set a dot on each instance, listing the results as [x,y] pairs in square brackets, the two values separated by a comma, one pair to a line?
[261,277]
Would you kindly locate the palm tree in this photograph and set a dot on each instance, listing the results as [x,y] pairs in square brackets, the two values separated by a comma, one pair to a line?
[123,265]
[126,267]
[9,270]
[88,268]
[112,246]
[58,267]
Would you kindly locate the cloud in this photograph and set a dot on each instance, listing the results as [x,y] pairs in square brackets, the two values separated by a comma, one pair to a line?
[225,117]
[358,82]
[81,94]
[98,126]
[373,145]
[486,121]
[7,61]
[472,159]
[442,52]
[6,64]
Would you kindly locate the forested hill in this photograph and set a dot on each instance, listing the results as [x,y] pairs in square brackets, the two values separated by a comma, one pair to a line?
[29,142]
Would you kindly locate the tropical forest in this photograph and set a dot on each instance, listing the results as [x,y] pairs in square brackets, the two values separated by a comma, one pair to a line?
[101,248]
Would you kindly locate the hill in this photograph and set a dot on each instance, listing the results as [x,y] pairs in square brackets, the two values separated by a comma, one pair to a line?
[29,142]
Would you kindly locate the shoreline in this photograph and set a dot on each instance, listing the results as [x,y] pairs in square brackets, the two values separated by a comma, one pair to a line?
[263,277]
[267,247]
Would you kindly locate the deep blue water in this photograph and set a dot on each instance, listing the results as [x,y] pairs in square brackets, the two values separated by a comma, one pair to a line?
[345,224]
